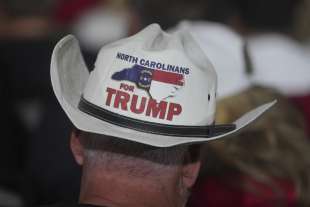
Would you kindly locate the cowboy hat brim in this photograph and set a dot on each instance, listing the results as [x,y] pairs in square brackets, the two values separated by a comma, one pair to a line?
[69,76]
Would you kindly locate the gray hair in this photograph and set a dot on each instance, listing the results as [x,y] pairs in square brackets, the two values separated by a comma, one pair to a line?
[136,158]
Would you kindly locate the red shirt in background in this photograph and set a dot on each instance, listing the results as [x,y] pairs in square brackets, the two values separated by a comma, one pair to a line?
[303,103]
[68,11]
[228,192]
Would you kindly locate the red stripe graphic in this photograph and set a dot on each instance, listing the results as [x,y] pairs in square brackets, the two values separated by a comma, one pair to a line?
[165,77]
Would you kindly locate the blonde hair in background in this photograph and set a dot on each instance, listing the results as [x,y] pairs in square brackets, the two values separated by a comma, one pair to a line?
[274,147]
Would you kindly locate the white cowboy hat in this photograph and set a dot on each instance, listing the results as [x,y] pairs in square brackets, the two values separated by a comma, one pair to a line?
[153,88]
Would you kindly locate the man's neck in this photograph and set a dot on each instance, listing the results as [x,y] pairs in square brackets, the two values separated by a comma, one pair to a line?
[108,190]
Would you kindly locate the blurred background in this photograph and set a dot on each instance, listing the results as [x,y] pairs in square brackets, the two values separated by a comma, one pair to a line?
[264,43]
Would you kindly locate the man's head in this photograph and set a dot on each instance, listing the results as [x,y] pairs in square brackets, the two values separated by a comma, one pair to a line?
[150,99]
[169,171]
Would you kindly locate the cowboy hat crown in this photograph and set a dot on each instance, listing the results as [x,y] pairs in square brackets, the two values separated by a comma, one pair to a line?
[154,88]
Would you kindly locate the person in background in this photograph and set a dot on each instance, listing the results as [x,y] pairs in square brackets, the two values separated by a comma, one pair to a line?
[279,61]
[240,179]
[68,11]
[241,183]
[268,36]
[100,22]
[268,164]
[21,22]
[273,48]
[97,22]
[106,22]
[27,36]
[12,152]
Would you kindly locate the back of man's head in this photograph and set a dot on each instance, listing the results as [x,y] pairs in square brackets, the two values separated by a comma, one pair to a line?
[106,159]
[97,144]
[175,112]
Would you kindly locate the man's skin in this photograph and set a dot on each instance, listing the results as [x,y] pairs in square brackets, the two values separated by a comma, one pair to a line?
[110,187]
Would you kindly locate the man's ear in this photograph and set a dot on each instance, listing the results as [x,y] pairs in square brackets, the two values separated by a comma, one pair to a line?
[77,148]
[190,173]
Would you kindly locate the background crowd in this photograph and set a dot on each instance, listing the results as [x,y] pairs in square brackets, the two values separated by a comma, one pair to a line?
[260,49]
